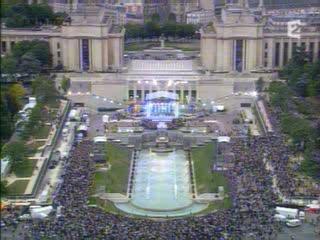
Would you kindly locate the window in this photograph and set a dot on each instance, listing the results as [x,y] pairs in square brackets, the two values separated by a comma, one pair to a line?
[238,55]
[311,50]
[131,94]
[294,48]
[277,55]
[58,54]
[85,55]
[58,45]
[266,55]
[285,53]
[139,94]
[194,94]
[145,93]
[303,46]
[266,45]
[178,93]
[3,46]
[185,94]
[12,44]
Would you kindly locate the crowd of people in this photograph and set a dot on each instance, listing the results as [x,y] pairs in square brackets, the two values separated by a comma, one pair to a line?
[278,154]
[257,161]
[251,215]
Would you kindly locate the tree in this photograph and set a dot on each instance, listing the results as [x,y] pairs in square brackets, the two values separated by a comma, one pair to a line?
[41,51]
[34,122]
[9,65]
[36,49]
[169,29]
[155,17]
[172,18]
[134,30]
[297,128]
[3,189]
[152,29]
[16,151]
[260,85]
[14,96]
[44,89]
[29,64]
[6,125]
[65,83]
[20,14]
[59,17]
[279,94]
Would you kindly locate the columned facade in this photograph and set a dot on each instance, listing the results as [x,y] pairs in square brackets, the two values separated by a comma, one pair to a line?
[239,41]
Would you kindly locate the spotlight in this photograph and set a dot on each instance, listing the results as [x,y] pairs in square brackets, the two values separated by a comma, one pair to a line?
[254,93]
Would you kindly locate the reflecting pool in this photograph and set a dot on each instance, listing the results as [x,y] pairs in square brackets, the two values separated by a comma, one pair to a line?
[161,186]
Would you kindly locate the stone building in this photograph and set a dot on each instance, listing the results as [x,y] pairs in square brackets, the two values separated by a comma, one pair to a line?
[239,47]
[181,7]
[200,17]
[89,42]
[240,41]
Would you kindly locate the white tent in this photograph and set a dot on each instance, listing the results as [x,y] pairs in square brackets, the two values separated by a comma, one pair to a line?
[220,108]
[287,212]
[105,118]
[83,128]
[100,139]
[280,218]
[40,212]
[223,139]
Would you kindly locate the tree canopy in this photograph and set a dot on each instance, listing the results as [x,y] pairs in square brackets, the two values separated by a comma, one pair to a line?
[27,57]
[44,89]
[16,151]
[153,29]
[19,14]
[293,98]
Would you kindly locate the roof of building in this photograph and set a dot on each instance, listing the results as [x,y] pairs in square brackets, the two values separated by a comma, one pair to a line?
[276,4]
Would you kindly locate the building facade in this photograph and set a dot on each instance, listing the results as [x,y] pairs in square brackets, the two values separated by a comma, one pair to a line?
[240,46]
[200,17]
[239,41]
[181,7]
[89,42]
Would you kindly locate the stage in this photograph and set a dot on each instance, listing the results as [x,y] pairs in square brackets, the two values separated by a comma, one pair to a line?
[161,106]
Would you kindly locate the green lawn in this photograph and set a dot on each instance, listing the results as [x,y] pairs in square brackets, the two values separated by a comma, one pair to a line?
[184,46]
[206,181]
[25,168]
[43,132]
[147,45]
[140,46]
[114,180]
[33,147]
[17,187]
